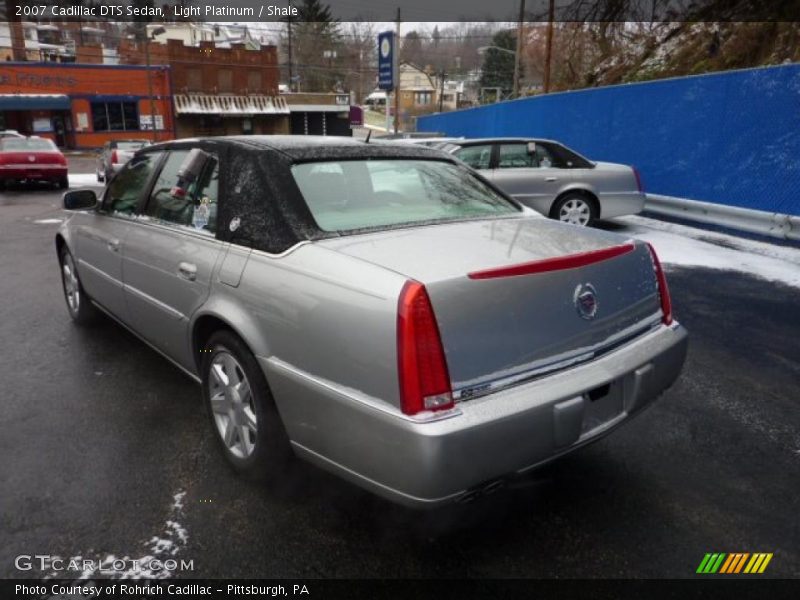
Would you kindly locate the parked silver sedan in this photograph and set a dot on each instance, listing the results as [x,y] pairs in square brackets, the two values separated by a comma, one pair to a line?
[379,310]
[114,154]
[554,180]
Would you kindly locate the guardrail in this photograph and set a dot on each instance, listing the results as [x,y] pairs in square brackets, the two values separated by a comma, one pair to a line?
[776,225]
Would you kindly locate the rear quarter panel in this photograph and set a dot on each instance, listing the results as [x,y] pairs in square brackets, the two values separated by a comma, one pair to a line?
[328,316]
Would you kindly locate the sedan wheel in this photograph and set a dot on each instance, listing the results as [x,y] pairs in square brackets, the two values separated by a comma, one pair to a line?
[575,210]
[80,308]
[232,405]
[241,409]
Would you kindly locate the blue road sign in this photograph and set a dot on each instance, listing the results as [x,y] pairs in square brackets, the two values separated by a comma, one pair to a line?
[387,67]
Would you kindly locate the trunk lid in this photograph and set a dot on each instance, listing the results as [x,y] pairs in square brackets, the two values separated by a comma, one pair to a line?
[498,326]
[31,158]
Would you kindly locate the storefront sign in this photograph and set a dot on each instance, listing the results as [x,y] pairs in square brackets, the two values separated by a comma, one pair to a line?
[34,80]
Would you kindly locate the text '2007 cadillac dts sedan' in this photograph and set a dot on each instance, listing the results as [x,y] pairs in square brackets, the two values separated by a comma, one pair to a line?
[380,310]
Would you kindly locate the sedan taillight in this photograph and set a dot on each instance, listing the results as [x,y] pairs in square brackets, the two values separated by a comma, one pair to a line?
[663,290]
[114,159]
[421,365]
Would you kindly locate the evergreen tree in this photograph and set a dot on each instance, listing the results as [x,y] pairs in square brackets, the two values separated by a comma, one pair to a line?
[498,66]
[317,48]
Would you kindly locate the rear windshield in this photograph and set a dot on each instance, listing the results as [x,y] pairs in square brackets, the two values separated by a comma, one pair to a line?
[357,194]
[26,144]
[130,145]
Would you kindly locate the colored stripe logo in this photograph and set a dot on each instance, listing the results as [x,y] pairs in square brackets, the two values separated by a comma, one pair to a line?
[734,563]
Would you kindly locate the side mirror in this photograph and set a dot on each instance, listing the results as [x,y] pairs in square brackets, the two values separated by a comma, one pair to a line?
[80,200]
[531,147]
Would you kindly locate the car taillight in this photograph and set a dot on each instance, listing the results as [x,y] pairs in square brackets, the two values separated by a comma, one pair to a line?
[663,290]
[114,158]
[638,176]
[421,365]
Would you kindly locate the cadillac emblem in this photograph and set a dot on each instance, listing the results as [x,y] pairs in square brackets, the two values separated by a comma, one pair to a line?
[585,300]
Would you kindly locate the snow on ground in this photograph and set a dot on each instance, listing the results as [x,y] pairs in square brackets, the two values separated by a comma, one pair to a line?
[151,565]
[77,180]
[686,246]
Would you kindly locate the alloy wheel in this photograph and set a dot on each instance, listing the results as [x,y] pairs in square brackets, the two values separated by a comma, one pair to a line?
[232,405]
[72,289]
[575,211]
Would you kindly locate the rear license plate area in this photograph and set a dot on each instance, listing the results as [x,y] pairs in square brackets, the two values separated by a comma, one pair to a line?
[601,405]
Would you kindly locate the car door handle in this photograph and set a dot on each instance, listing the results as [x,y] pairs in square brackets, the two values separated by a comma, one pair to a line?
[187,271]
[551,178]
[113,245]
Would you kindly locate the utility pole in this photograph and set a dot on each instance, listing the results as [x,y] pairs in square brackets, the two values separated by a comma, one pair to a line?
[289,27]
[518,53]
[441,89]
[149,81]
[397,75]
[549,49]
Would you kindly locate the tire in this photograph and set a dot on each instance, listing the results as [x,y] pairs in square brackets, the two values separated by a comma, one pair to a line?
[248,429]
[576,209]
[2,184]
[79,305]
[63,183]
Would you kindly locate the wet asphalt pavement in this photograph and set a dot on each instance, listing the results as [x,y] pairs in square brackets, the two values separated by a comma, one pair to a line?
[98,435]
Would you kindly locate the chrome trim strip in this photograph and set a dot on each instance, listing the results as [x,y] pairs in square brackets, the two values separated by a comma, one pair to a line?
[173,228]
[154,302]
[360,397]
[488,387]
[114,280]
[286,252]
[185,371]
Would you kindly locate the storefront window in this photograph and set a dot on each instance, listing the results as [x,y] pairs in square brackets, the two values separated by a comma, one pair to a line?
[115,116]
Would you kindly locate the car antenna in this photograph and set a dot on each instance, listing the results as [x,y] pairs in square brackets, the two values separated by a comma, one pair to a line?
[369,133]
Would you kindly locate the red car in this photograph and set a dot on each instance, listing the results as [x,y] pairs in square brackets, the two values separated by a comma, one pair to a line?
[31,159]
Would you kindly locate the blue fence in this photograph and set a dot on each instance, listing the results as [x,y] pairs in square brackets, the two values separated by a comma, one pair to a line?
[731,138]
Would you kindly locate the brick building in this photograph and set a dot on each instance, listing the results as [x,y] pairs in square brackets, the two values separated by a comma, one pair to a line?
[218,91]
[85,105]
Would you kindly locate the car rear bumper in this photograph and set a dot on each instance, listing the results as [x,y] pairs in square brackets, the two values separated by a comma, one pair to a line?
[33,173]
[620,204]
[426,464]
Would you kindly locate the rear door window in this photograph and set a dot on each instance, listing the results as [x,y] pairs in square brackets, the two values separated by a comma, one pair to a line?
[192,206]
[477,157]
[516,156]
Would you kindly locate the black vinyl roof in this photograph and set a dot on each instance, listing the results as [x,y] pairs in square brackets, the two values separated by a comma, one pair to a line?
[302,148]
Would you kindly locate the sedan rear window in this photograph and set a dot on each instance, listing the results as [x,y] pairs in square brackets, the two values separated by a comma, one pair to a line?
[27,145]
[131,145]
[357,194]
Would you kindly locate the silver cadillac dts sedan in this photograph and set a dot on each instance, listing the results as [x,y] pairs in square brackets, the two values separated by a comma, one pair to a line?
[380,310]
